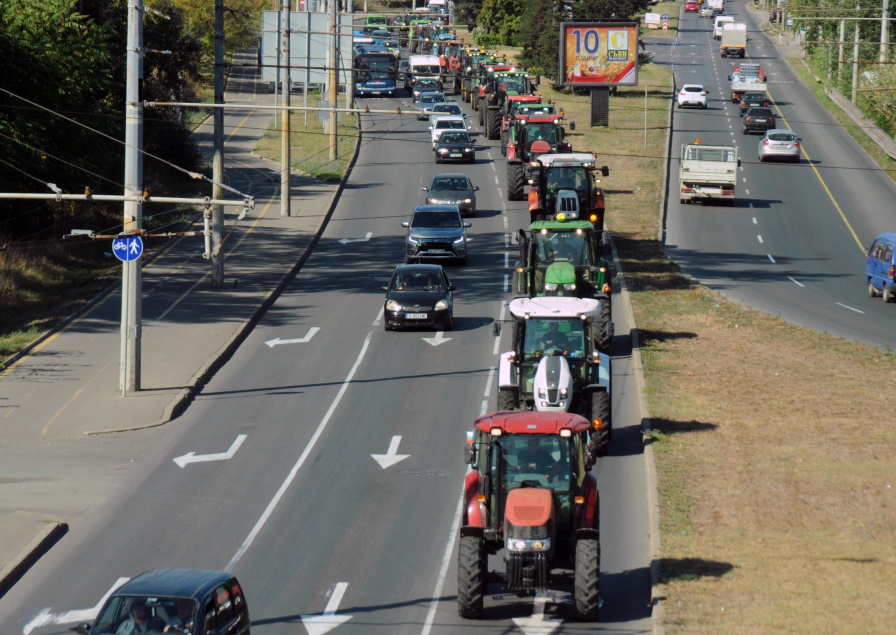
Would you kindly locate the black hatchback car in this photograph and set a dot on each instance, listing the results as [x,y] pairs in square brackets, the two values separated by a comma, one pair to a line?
[194,601]
[758,119]
[753,99]
[419,295]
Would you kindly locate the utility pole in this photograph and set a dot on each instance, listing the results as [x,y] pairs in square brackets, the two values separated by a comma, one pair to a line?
[285,136]
[855,62]
[884,31]
[217,211]
[840,53]
[334,78]
[131,278]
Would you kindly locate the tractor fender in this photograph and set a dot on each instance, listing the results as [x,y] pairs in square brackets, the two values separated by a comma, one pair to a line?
[506,372]
[533,198]
[590,514]
[474,513]
[604,373]
[512,152]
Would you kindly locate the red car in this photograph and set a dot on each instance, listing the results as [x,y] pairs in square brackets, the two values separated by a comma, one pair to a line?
[692,7]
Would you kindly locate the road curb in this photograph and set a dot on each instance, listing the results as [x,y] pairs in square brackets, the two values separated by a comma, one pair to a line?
[41,544]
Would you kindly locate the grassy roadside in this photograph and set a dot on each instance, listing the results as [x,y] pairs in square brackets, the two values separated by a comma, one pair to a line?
[775,470]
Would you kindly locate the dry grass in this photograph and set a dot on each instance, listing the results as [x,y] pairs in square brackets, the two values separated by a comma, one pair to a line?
[775,464]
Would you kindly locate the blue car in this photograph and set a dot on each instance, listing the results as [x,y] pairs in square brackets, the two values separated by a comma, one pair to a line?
[880,267]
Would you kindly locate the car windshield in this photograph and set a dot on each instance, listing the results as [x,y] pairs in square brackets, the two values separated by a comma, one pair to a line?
[436,219]
[546,334]
[150,613]
[781,137]
[429,98]
[450,183]
[450,124]
[455,137]
[552,247]
[754,96]
[417,281]
[426,84]
[542,458]
[453,109]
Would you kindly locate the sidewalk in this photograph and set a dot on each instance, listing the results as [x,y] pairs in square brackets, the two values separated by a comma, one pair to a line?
[66,389]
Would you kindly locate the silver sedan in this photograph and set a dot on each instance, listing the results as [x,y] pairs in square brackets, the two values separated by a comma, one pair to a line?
[779,144]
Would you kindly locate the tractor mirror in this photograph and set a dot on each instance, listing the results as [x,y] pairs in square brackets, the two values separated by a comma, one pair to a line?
[604,171]
[469,455]
[572,125]
[738,163]
[496,329]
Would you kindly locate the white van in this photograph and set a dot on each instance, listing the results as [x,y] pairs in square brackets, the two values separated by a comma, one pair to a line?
[719,24]
[422,66]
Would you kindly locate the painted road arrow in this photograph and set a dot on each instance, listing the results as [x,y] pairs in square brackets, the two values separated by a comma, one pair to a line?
[390,458]
[537,623]
[320,624]
[356,240]
[438,339]
[301,340]
[45,617]
[192,457]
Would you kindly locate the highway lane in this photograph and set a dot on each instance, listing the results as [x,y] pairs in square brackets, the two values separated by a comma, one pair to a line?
[303,512]
[793,244]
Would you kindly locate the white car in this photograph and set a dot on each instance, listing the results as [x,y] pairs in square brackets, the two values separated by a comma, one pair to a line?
[692,95]
[441,124]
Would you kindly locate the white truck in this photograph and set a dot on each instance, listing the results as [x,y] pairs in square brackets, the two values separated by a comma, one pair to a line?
[743,83]
[707,173]
[718,23]
[734,39]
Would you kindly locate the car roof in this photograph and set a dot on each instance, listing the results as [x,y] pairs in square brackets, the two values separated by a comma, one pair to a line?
[174,582]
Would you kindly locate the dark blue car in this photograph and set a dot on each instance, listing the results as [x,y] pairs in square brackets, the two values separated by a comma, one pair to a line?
[880,267]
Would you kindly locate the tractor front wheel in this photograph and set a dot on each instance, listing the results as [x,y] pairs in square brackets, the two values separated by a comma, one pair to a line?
[493,124]
[507,400]
[471,569]
[587,579]
[604,328]
[515,180]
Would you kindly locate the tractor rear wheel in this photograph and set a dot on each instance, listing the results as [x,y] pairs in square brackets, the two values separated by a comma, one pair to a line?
[504,143]
[515,181]
[507,400]
[587,579]
[604,328]
[493,124]
[600,409]
[471,566]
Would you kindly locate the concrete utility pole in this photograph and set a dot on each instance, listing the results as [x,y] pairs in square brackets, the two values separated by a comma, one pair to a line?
[840,52]
[131,279]
[285,136]
[334,79]
[855,60]
[217,212]
[884,30]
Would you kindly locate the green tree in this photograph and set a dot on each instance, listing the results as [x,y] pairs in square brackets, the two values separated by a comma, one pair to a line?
[502,18]
[539,36]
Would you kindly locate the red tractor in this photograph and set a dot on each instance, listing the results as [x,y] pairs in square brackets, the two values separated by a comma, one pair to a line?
[526,140]
[522,107]
[531,493]
[567,184]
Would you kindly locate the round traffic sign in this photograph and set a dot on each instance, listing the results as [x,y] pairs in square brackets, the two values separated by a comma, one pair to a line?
[127,247]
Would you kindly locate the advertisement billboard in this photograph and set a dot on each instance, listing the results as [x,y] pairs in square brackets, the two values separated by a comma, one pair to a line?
[599,53]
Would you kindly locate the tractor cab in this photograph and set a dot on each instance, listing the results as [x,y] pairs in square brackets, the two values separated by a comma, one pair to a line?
[567,184]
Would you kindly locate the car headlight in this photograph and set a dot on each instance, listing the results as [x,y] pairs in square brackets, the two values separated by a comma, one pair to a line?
[413,241]
[550,286]
[443,150]
[442,305]
[432,201]
[468,149]
[461,240]
[468,200]
[392,305]
[517,545]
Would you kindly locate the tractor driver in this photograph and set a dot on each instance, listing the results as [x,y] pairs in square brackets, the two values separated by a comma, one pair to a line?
[536,459]
[553,338]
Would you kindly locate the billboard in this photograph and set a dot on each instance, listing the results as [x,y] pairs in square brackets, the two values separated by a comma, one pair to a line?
[599,53]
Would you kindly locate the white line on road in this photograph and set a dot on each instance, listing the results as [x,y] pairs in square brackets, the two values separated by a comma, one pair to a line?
[506,283]
[748,193]
[755,222]
[497,182]
[301,461]
[772,259]
[796,282]
[850,308]
[759,236]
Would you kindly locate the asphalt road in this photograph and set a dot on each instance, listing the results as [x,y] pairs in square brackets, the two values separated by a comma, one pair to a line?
[793,244]
[303,513]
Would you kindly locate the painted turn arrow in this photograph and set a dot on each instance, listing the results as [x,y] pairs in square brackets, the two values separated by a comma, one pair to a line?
[438,339]
[45,617]
[192,457]
[301,340]
[537,623]
[356,240]
[390,458]
[320,624]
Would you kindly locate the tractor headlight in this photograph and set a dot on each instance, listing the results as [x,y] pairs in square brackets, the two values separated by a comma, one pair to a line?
[517,545]
[550,286]
[392,305]
[570,287]
[542,394]
[442,305]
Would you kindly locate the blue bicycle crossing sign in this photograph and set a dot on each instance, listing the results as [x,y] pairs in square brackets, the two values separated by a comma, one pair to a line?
[127,247]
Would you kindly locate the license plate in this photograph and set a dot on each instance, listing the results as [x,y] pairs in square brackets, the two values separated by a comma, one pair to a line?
[415,316]
[455,155]
[377,92]
[436,251]
[760,120]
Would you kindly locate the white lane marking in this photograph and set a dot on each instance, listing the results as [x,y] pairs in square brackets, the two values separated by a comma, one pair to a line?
[493,168]
[438,339]
[301,461]
[747,192]
[796,282]
[366,238]
[506,240]
[192,457]
[506,283]
[745,179]
[391,457]
[321,624]
[46,618]
[299,340]
[500,195]
[488,382]
[755,222]
[505,222]
[772,259]
[506,259]
[379,316]
[446,561]
[850,308]
[497,182]
[759,236]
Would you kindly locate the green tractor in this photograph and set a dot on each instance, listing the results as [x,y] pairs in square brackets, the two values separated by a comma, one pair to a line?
[499,87]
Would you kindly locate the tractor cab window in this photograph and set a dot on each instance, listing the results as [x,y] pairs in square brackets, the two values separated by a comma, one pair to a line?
[512,83]
[543,132]
[536,460]
[544,334]
[567,179]
[563,246]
